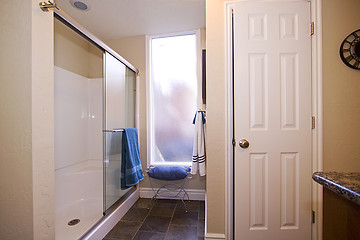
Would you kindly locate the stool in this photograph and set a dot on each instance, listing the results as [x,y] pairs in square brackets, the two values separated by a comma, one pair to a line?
[164,177]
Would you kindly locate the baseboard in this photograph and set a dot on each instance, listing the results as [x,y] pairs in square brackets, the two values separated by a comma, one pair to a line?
[194,194]
[215,236]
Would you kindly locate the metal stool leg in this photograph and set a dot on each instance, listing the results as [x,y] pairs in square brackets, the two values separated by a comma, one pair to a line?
[173,190]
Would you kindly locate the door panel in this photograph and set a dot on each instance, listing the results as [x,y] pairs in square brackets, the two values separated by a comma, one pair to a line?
[272,102]
[120,83]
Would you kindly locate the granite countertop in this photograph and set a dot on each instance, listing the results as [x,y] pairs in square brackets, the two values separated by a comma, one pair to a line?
[344,184]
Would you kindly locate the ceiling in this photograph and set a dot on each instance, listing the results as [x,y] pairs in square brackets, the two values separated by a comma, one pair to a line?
[111,19]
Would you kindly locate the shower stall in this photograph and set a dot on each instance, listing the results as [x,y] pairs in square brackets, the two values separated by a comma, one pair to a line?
[95,99]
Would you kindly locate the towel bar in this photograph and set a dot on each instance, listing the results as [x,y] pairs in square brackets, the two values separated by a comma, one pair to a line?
[114,130]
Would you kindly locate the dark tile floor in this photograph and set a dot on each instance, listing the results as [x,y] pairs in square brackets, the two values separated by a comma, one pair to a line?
[166,219]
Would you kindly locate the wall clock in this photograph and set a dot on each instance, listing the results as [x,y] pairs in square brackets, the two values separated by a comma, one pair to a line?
[350,50]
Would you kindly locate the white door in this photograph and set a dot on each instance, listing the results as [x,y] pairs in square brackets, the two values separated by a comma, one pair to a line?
[272,110]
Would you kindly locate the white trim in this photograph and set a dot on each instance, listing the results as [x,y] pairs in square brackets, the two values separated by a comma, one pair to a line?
[137,106]
[148,105]
[198,68]
[229,128]
[181,164]
[317,137]
[194,194]
[317,197]
[104,226]
[215,236]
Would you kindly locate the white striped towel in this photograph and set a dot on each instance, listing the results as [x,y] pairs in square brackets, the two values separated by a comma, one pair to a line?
[199,152]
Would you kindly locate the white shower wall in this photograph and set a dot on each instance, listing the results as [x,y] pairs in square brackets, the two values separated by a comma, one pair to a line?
[95,119]
[78,118]
[78,152]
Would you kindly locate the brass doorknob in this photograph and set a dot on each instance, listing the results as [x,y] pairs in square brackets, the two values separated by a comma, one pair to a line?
[244,143]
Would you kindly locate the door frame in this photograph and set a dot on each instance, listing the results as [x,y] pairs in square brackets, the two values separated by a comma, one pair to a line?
[317,133]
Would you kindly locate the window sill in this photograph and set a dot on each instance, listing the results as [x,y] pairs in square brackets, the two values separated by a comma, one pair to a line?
[180,164]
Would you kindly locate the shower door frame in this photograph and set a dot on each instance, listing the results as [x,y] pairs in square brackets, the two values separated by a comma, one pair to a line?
[108,208]
[128,198]
[74,25]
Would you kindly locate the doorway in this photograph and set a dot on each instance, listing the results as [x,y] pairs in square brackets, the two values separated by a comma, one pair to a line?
[272,120]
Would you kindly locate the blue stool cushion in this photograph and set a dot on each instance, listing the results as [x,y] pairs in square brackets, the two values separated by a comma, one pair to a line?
[168,173]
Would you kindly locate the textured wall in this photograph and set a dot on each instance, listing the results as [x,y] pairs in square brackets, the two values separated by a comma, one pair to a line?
[26,112]
[42,95]
[15,113]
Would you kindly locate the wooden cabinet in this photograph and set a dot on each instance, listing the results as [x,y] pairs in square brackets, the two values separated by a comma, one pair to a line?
[341,218]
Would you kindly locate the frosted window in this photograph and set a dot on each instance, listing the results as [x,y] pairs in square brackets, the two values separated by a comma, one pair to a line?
[173,98]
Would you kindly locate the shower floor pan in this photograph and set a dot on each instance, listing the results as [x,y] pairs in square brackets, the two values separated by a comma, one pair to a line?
[82,210]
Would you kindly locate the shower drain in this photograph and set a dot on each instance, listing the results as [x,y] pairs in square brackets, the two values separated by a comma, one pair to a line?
[73,222]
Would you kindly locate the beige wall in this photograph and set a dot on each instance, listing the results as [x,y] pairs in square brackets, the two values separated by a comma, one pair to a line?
[15,113]
[341,98]
[76,54]
[215,87]
[133,49]
[341,88]
[26,112]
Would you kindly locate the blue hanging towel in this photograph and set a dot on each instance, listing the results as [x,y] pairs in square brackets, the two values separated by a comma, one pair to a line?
[131,171]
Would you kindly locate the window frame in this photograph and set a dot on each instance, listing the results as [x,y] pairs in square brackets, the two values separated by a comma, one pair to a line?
[149,91]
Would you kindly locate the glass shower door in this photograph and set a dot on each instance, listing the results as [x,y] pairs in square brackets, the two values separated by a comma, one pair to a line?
[119,114]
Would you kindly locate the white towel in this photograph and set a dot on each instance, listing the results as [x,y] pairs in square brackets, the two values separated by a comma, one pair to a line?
[199,153]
